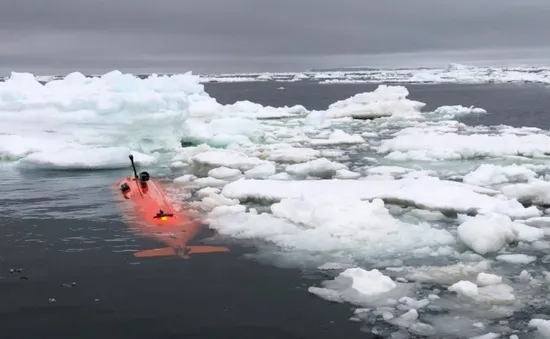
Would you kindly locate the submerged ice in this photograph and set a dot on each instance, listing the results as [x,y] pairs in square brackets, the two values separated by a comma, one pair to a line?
[427,225]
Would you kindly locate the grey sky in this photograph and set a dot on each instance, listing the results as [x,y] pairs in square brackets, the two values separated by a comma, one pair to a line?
[59,36]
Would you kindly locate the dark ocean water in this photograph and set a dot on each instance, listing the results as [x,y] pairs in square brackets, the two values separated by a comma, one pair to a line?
[63,227]
[510,104]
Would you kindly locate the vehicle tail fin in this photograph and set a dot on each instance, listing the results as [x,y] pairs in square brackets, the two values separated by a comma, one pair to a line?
[157,252]
[169,251]
[207,249]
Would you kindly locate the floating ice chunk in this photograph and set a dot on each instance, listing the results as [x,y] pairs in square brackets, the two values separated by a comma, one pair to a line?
[542,326]
[251,110]
[208,182]
[185,154]
[537,221]
[14,147]
[388,170]
[204,192]
[227,158]
[536,192]
[447,274]
[90,158]
[486,279]
[487,233]
[406,319]
[214,200]
[422,329]
[465,288]
[425,145]
[339,137]
[496,294]
[425,192]
[330,226]
[321,168]
[177,165]
[368,282]
[184,179]
[280,176]
[427,215]
[525,276]
[346,174]
[490,335]
[489,174]
[225,173]
[221,132]
[528,233]
[261,172]
[385,101]
[293,154]
[410,303]
[333,266]
[452,111]
[360,287]
[517,258]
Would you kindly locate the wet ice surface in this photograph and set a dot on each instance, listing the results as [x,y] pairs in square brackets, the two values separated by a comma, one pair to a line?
[427,225]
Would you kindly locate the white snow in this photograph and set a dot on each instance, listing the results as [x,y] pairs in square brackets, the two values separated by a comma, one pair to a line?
[489,175]
[516,258]
[224,173]
[466,288]
[428,145]
[327,224]
[339,137]
[293,154]
[419,192]
[383,102]
[542,326]
[261,172]
[91,158]
[487,279]
[487,233]
[321,168]
[357,284]
[227,158]
[453,111]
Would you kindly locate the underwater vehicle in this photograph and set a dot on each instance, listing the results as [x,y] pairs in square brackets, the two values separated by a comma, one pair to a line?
[156,218]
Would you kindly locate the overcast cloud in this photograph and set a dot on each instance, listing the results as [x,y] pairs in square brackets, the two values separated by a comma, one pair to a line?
[59,36]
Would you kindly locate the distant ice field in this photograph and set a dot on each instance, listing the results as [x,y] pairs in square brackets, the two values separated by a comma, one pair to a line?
[428,216]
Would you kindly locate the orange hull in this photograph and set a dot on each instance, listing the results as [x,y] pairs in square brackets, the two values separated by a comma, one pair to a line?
[154,217]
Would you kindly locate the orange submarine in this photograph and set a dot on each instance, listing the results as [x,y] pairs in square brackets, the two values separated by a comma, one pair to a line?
[156,218]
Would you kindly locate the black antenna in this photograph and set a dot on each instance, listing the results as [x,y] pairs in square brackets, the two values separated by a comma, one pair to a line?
[133,165]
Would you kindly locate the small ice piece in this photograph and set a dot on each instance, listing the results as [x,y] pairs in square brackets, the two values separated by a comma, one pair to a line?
[525,276]
[542,326]
[346,174]
[490,335]
[487,233]
[406,319]
[204,192]
[184,179]
[486,279]
[368,282]
[321,168]
[227,158]
[283,176]
[224,173]
[261,172]
[209,182]
[517,258]
[489,174]
[466,288]
[339,137]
